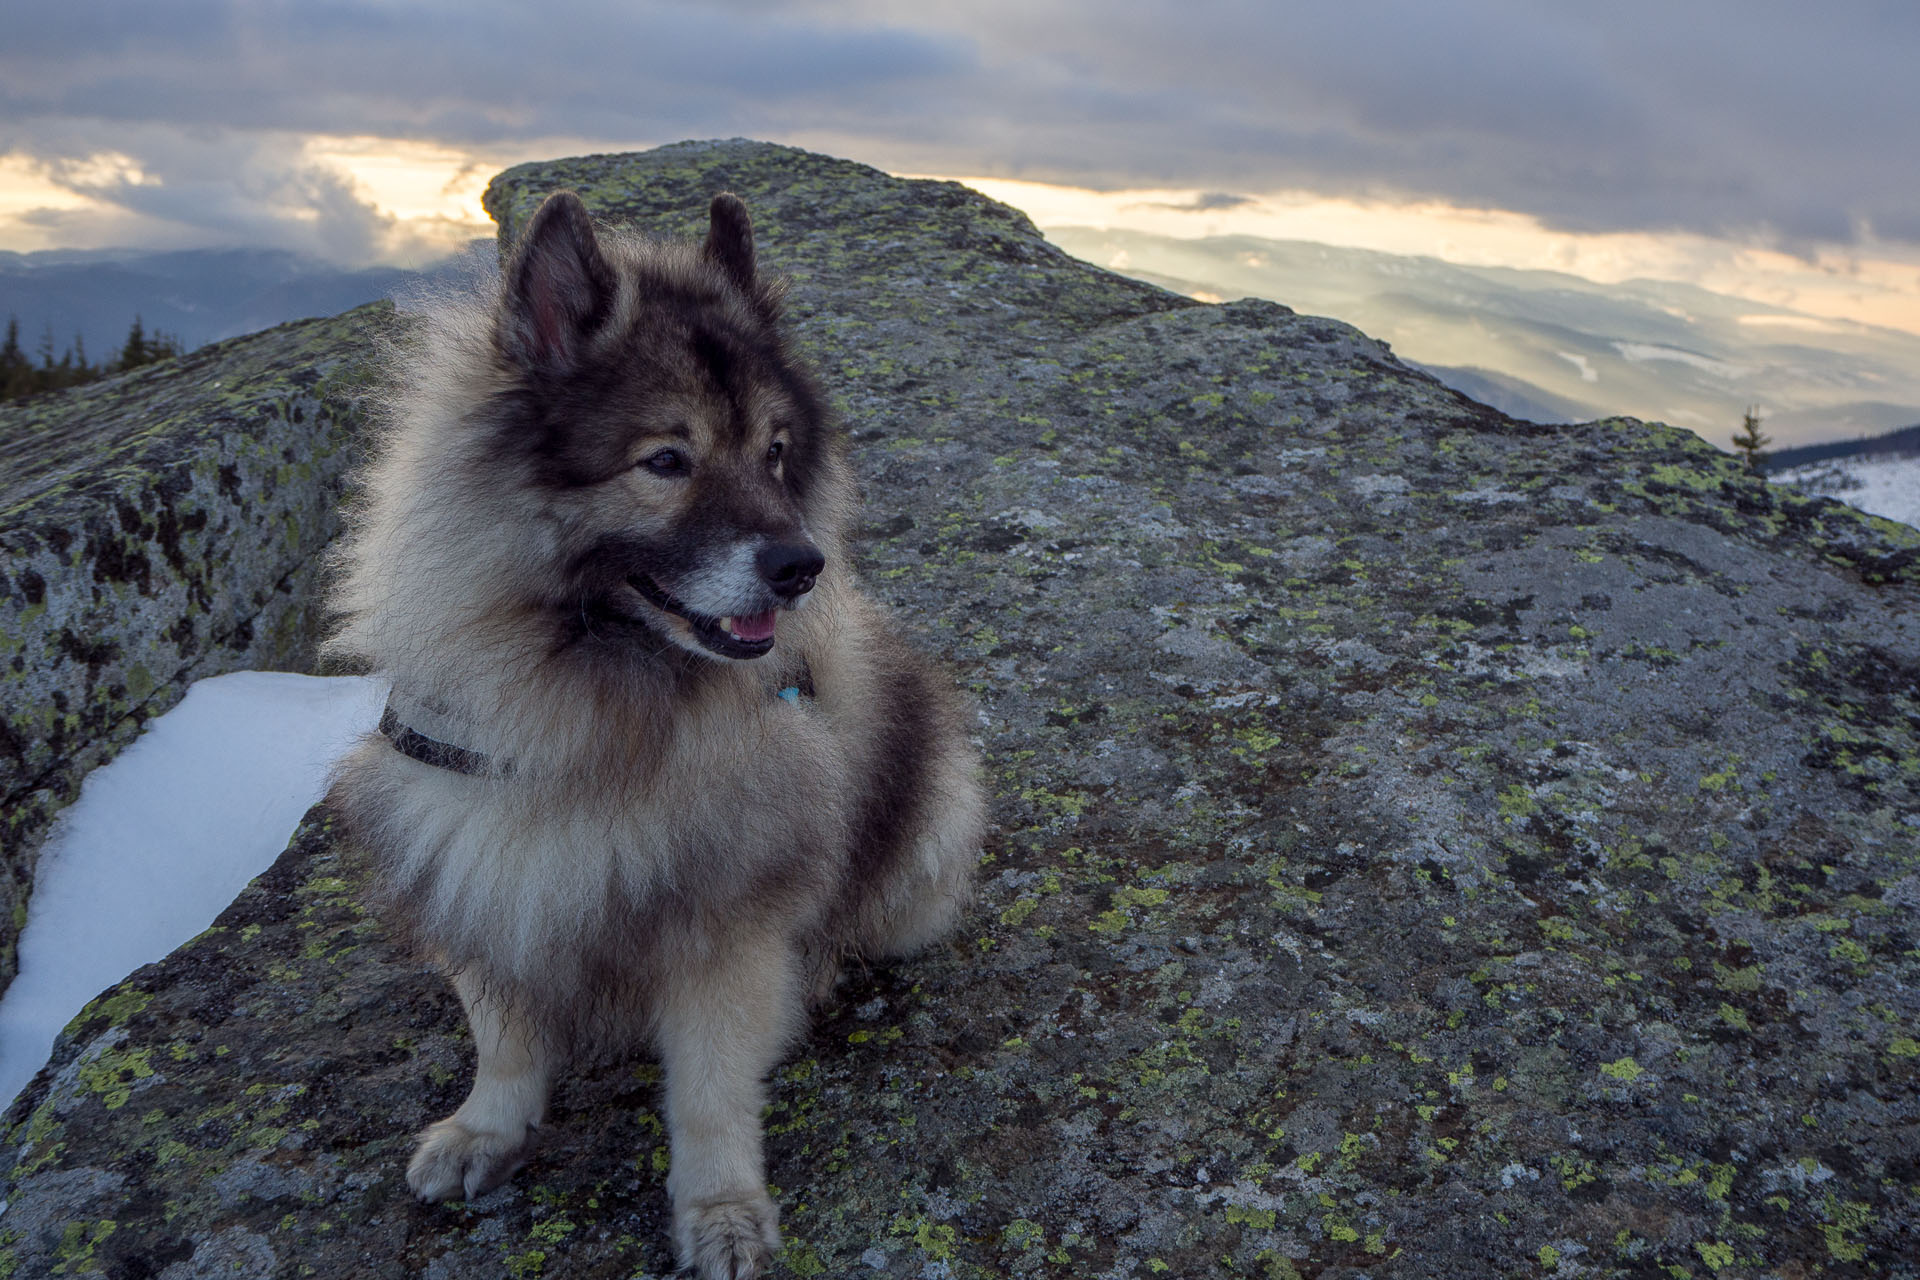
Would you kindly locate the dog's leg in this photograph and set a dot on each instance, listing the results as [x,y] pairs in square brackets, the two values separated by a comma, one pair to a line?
[479,1146]
[722,1021]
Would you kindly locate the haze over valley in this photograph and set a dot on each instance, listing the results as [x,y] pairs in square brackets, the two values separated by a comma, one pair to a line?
[1550,346]
[1543,345]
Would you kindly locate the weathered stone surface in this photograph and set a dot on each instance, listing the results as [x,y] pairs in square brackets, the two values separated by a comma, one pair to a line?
[1428,845]
[156,528]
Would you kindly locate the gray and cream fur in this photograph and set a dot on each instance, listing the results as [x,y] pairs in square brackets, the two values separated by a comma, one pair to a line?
[604,529]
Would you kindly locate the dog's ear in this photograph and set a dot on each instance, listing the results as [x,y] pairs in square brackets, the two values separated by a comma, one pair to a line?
[559,288]
[730,239]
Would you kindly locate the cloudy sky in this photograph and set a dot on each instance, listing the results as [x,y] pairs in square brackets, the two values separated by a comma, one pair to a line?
[1758,146]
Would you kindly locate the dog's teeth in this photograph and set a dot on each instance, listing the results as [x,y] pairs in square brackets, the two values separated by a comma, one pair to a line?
[726,624]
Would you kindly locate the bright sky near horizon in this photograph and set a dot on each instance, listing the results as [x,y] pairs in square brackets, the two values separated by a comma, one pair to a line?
[1754,148]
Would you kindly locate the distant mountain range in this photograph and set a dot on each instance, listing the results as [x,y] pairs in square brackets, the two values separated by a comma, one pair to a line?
[1548,346]
[1539,345]
[1512,396]
[196,295]
[1904,443]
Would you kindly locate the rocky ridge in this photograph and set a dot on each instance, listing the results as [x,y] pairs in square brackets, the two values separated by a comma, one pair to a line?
[156,528]
[1427,845]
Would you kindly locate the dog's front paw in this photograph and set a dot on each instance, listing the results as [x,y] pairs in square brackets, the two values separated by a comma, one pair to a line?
[728,1239]
[454,1162]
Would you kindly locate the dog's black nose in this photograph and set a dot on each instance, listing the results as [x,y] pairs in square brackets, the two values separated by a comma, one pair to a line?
[790,567]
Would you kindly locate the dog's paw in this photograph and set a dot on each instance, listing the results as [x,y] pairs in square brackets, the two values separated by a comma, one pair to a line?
[728,1239]
[454,1162]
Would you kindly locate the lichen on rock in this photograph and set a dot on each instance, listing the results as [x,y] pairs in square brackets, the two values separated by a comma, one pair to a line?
[1427,845]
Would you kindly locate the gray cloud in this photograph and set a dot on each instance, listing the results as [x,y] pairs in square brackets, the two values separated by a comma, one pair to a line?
[479,73]
[1204,202]
[1768,118]
[1711,116]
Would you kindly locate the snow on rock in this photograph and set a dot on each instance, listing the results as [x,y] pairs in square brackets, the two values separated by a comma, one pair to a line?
[164,836]
[1883,486]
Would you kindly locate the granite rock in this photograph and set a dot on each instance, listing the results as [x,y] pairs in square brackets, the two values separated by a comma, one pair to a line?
[1427,845]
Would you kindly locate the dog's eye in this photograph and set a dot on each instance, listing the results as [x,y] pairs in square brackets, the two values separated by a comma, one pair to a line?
[774,451]
[666,462]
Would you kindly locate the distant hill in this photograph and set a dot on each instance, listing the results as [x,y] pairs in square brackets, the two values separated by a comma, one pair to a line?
[1861,419]
[1514,397]
[1880,473]
[197,295]
[1549,346]
[1904,443]
[1539,345]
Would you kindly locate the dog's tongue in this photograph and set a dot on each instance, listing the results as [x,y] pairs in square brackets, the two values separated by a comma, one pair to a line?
[757,627]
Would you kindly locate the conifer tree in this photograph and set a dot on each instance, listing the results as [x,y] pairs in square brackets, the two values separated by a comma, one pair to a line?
[22,376]
[16,371]
[135,353]
[1750,440]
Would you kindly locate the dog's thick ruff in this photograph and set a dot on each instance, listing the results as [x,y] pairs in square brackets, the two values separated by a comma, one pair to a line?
[599,501]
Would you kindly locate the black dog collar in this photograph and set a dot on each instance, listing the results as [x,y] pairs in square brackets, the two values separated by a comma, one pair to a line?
[441,755]
[444,755]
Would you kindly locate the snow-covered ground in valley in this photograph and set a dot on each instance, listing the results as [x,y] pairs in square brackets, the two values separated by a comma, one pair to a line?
[1883,485]
[167,834]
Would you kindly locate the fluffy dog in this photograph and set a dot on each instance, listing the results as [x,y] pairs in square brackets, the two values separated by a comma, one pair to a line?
[653,766]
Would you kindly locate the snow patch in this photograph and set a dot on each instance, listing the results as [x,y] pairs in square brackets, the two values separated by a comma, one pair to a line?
[1888,487]
[165,835]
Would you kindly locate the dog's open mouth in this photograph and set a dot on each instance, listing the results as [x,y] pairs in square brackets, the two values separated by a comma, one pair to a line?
[742,636]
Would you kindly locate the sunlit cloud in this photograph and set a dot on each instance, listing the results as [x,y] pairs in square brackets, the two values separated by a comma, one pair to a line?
[101,169]
[411,181]
[356,200]
[28,195]
[1871,283]
[429,193]
[1806,324]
